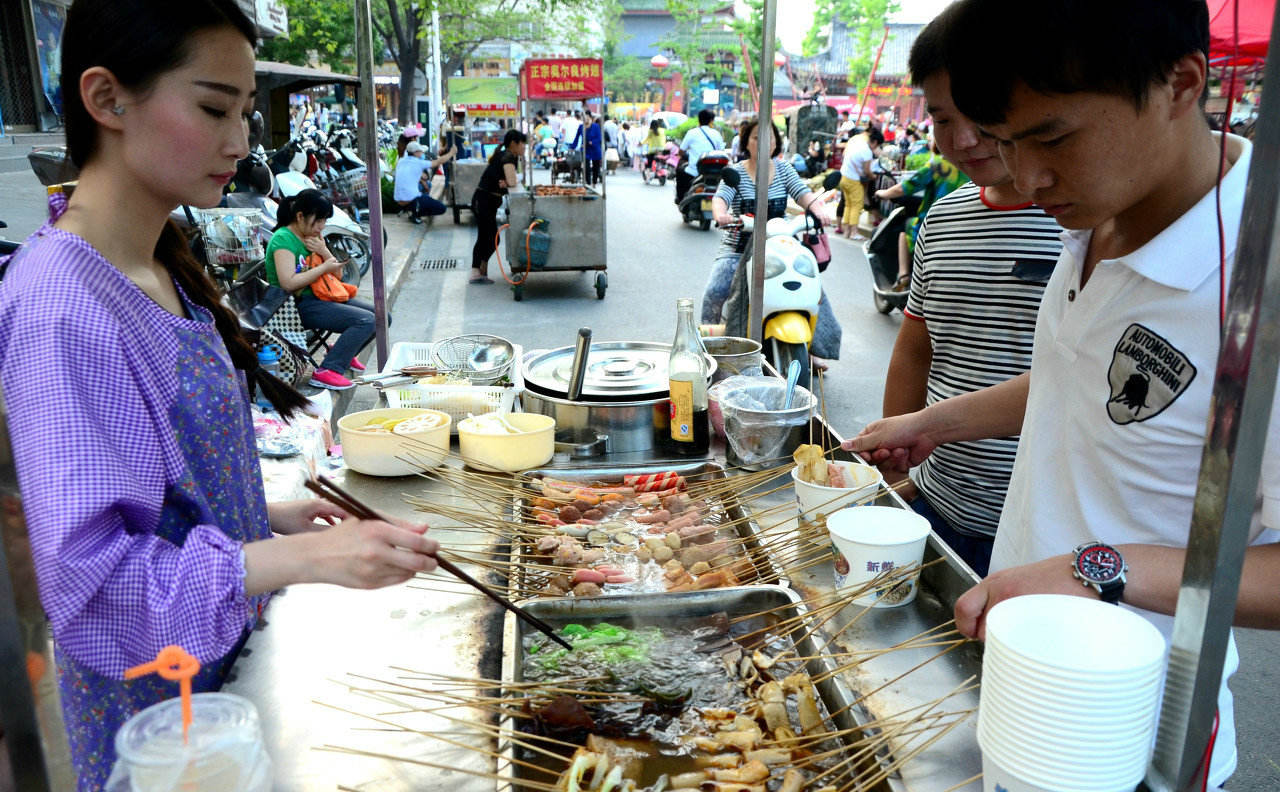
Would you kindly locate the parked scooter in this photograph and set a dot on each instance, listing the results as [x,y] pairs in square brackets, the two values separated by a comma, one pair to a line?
[881,251]
[792,288]
[695,207]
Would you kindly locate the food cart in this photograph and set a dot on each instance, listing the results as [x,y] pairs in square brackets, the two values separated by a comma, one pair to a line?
[567,222]
[479,101]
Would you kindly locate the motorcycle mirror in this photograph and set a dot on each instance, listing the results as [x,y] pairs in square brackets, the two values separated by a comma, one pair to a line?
[730,177]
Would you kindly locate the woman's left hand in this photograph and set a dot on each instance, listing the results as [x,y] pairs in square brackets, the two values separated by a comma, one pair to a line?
[301,516]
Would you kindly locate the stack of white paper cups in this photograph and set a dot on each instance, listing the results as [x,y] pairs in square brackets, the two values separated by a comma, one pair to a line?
[1070,694]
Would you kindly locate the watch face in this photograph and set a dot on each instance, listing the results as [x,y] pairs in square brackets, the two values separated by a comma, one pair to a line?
[1099,564]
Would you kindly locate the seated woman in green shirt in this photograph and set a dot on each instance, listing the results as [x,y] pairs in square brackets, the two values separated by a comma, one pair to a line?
[297,257]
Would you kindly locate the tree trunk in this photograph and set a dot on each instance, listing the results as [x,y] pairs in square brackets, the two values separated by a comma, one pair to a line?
[408,63]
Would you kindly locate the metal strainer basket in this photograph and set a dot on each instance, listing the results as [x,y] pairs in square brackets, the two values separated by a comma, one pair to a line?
[457,355]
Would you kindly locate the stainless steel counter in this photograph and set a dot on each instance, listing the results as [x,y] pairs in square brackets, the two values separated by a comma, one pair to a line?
[314,636]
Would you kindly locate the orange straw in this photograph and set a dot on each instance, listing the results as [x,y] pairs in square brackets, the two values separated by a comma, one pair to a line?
[174,664]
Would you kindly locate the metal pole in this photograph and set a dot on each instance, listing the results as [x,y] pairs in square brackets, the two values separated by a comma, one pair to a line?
[755,321]
[22,634]
[368,132]
[871,78]
[438,110]
[1244,386]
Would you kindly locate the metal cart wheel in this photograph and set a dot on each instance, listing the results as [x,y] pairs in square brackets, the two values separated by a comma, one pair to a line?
[517,293]
[602,284]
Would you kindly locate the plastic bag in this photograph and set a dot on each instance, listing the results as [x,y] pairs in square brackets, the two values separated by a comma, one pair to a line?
[759,431]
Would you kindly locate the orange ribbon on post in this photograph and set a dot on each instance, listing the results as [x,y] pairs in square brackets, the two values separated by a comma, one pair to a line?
[174,664]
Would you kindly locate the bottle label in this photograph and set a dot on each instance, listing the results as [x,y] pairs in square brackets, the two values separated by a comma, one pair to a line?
[682,411]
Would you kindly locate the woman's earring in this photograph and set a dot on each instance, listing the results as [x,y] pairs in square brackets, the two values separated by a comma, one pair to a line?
[118,110]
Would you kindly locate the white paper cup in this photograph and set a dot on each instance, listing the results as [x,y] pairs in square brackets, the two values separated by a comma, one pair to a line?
[1023,690]
[999,776]
[1058,679]
[1083,776]
[1062,736]
[817,501]
[997,779]
[870,540]
[1076,635]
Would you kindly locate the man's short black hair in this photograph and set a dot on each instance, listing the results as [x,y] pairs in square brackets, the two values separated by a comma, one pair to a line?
[706,116]
[1117,47]
[929,50]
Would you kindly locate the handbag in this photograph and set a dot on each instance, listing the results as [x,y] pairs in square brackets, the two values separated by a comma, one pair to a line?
[262,311]
[329,287]
[815,238]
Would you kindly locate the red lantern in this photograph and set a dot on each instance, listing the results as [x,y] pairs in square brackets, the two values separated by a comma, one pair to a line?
[659,61]
[779,59]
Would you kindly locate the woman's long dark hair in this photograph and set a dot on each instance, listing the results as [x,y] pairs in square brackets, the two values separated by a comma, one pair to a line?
[310,203]
[512,136]
[108,33]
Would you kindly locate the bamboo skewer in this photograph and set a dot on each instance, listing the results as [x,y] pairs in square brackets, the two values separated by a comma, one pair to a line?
[536,785]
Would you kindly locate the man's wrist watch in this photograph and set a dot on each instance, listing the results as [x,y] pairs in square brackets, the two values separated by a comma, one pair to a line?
[1101,567]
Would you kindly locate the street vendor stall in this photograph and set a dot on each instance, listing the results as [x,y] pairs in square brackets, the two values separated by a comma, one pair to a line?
[558,228]
[480,102]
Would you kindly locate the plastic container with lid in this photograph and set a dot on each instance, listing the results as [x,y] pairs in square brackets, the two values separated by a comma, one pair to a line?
[224,751]
[268,361]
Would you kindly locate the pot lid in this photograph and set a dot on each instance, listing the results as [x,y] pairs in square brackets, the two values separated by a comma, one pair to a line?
[616,370]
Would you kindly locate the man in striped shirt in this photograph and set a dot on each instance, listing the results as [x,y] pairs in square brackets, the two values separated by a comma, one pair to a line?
[981,260]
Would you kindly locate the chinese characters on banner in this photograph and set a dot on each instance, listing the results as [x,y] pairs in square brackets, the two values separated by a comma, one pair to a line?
[573,78]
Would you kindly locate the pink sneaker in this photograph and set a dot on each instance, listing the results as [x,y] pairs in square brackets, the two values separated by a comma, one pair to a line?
[356,365]
[324,378]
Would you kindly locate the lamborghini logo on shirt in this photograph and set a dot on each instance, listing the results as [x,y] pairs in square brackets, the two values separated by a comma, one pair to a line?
[1147,374]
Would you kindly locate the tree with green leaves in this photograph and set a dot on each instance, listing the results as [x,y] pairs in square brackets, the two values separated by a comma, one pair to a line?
[865,20]
[752,31]
[326,27]
[699,42]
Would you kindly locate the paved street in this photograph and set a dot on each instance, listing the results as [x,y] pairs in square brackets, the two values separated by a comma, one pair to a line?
[653,259]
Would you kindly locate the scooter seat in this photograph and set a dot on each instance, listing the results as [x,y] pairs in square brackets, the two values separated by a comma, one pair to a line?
[791,285]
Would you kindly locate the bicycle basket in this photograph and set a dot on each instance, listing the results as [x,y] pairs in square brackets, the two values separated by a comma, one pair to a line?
[231,237]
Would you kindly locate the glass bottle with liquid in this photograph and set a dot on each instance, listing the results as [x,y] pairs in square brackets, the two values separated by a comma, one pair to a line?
[690,430]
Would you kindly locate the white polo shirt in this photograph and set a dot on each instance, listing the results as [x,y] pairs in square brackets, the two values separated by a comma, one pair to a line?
[1121,376]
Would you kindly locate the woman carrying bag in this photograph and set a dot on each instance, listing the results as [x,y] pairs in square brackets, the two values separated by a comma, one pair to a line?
[299,262]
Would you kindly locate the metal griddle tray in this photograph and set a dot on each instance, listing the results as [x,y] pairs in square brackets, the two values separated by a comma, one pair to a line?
[632,610]
[767,572]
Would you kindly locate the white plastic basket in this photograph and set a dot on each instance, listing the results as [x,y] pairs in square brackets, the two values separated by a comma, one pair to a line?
[456,400]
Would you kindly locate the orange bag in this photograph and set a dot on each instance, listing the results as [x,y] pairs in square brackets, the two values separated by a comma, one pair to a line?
[329,287]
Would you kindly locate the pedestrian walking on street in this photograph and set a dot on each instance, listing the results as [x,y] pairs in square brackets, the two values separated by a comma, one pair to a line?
[125,380]
[500,177]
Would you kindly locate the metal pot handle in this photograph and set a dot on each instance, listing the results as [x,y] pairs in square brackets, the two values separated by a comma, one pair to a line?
[578,373]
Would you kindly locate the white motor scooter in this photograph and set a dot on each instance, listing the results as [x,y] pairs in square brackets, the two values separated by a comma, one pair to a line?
[792,288]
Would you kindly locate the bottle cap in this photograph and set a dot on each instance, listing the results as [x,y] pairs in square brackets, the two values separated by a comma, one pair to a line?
[269,354]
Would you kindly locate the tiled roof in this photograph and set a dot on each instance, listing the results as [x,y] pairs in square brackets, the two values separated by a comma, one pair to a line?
[834,61]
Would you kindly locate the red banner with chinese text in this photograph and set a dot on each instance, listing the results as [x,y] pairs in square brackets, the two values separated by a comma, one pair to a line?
[569,78]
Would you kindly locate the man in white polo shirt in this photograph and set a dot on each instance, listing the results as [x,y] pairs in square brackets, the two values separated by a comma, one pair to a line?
[1117,400]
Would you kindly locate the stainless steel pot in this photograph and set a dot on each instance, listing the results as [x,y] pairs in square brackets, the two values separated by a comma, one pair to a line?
[627,426]
[624,396]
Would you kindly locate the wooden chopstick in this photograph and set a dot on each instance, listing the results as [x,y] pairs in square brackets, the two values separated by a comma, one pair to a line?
[331,492]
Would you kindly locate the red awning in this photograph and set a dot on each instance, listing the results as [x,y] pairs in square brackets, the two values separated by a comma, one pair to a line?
[1254,31]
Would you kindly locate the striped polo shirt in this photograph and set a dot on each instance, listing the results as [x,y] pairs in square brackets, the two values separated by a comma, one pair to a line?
[978,274]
